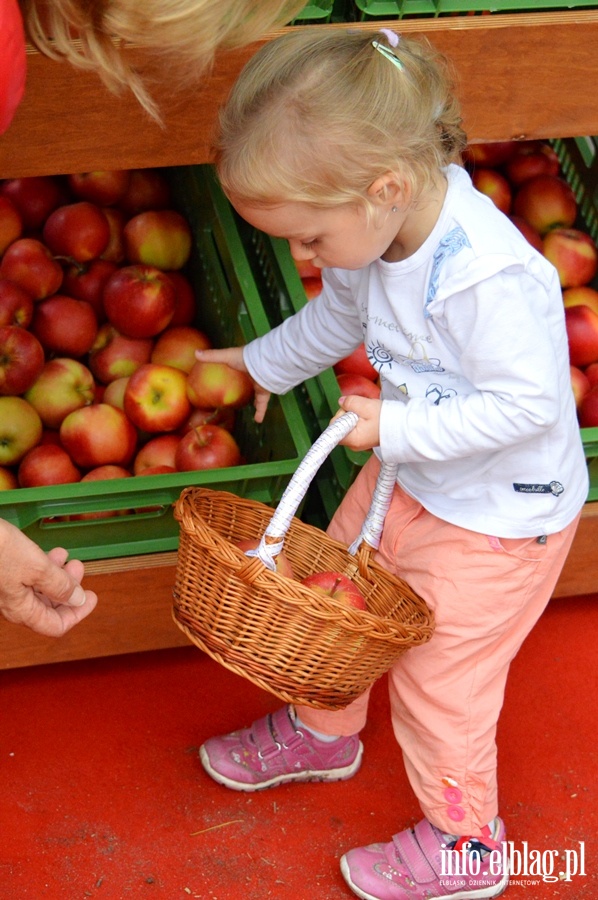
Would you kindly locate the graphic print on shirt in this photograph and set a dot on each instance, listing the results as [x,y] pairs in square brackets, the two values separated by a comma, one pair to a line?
[436,393]
[378,356]
[451,244]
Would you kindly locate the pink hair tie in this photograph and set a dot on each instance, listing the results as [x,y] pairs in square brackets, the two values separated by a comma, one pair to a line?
[392,37]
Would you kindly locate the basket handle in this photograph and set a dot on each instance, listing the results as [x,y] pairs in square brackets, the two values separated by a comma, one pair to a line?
[272,541]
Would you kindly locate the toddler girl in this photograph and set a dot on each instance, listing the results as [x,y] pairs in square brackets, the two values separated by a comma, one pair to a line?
[348,145]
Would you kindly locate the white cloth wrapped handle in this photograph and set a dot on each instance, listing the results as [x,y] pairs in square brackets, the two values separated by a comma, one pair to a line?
[272,540]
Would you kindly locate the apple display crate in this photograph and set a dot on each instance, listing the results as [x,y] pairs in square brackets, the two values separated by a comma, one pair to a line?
[286,638]
[400,9]
[230,312]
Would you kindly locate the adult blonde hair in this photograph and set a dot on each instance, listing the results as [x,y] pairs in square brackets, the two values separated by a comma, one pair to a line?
[182,36]
[318,114]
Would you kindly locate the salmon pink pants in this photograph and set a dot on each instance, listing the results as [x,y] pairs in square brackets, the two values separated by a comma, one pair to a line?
[446,695]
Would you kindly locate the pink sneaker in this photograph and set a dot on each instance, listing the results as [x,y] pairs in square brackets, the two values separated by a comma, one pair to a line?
[272,751]
[413,867]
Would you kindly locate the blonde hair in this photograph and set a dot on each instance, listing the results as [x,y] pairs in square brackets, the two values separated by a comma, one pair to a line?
[317,115]
[181,35]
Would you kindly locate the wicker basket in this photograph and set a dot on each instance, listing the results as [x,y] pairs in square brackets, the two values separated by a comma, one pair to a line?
[289,640]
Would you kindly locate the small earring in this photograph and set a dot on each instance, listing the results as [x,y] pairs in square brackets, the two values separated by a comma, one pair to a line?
[394,209]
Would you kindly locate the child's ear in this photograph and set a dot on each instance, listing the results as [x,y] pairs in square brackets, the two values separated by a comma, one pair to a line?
[389,189]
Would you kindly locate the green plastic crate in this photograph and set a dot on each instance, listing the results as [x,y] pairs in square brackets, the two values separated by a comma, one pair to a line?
[231,312]
[399,9]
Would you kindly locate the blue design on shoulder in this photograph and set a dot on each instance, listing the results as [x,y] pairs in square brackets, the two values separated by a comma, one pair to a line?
[451,244]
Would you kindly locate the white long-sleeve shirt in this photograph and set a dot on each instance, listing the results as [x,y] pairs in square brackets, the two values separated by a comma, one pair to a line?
[469,338]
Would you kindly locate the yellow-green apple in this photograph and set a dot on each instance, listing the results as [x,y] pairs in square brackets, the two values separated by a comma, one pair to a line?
[357,363]
[591,373]
[102,187]
[139,300]
[185,304]
[531,158]
[114,393]
[546,201]
[307,269]
[584,295]
[35,197]
[312,286]
[207,447]
[580,384]
[86,281]
[21,359]
[114,355]
[225,416]
[155,398]
[283,564]
[47,464]
[11,224]
[211,384]
[16,304]
[64,325]
[20,429]
[115,248]
[98,435]
[588,411]
[574,255]
[495,186]
[148,189]
[28,262]
[582,334]
[531,234]
[63,385]
[158,452]
[176,346]
[490,153]
[337,586]
[353,384]
[8,479]
[160,237]
[102,473]
[78,230]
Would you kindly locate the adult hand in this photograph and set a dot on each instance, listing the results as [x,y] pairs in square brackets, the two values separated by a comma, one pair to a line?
[233,357]
[39,590]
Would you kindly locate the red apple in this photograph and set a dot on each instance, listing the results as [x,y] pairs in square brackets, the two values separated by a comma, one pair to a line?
[207,447]
[495,186]
[148,189]
[337,586]
[357,363]
[98,435]
[176,346]
[86,281]
[155,398]
[588,411]
[11,223]
[115,248]
[63,385]
[185,304]
[16,304]
[490,153]
[8,479]
[30,264]
[574,255]
[312,287]
[283,565]
[159,451]
[307,269]
[211,384]
[591,373]
[77,230]
[582,335]
[531,158]
[65,326]
[546,201]
[139,301]
[20,429]
[581,296]
[114,355]
[21,359]
[103,473]
[102,187]
[35,197]
[160,238]
[580,384]
[221,415]
[114,393]
[532,236]
[357,384]
[47,464]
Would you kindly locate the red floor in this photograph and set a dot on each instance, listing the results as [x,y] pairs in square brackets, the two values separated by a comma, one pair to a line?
[104,797]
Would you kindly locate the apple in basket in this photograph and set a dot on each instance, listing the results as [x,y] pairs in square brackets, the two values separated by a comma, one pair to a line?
[337,586]
[283,566]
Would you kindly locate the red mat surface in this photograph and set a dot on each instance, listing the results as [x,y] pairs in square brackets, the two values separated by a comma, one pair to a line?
[103,796]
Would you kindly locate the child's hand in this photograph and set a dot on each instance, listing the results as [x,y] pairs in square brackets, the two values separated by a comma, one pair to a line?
[366,433]
[233,357]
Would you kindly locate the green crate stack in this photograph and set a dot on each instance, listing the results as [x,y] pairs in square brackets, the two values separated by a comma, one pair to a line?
[400,9]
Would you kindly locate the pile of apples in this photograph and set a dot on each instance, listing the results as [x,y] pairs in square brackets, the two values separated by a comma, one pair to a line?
[98,377]
[525,181]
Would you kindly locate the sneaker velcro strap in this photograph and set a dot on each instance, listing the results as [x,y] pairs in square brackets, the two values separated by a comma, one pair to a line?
[419,851]
[271,732]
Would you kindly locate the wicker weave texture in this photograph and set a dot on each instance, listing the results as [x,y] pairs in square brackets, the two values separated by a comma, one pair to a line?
[287,639]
